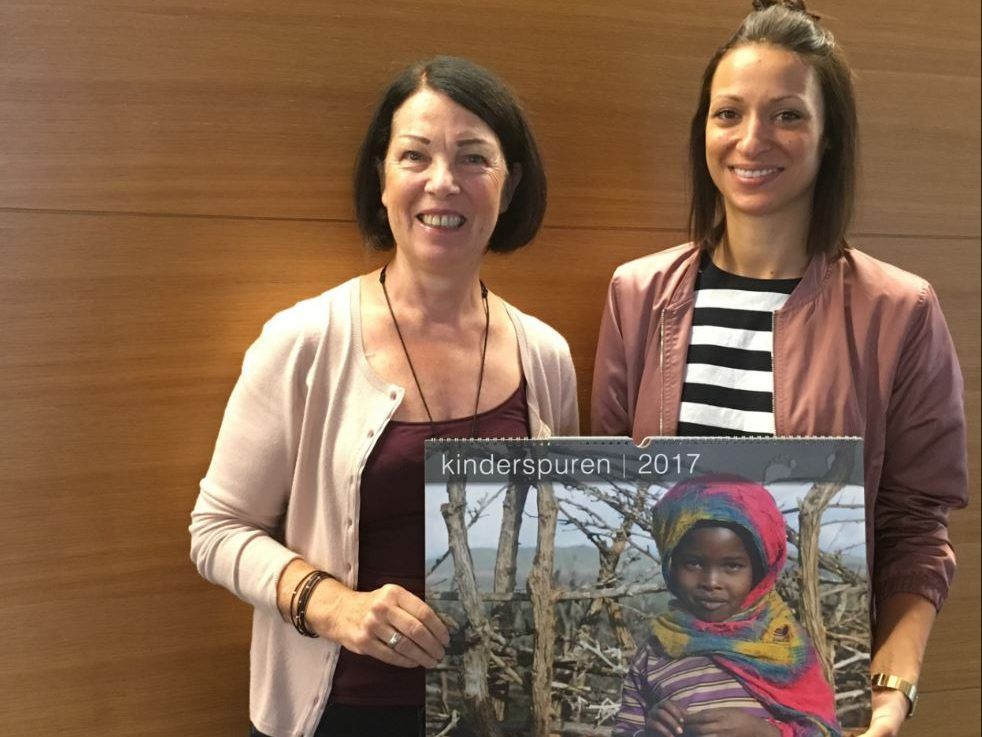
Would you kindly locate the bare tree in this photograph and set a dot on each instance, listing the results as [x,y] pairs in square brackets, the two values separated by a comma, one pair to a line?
[475,672]
[809,525]
[505,567]
[543,615]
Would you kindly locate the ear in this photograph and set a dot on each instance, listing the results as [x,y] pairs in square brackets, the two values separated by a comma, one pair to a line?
[511,184]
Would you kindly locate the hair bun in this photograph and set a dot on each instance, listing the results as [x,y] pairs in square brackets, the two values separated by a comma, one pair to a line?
[797,6]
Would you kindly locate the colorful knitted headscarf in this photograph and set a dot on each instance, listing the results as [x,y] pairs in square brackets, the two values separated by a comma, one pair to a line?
[763,645]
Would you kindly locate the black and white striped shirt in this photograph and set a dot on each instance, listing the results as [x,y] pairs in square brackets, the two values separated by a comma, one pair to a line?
[729,373]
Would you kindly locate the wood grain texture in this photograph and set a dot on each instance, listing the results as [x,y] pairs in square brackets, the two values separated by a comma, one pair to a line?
[124,341]
[232,126]
[953,714]
[122,346]
[252,109]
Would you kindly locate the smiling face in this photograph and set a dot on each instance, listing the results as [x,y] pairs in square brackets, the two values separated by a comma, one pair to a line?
[444,182]
[711,573]
[764,131]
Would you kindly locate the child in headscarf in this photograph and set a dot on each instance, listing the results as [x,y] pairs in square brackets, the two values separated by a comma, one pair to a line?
[728,656]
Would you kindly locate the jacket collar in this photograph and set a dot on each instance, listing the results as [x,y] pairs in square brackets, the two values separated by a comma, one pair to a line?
[816,273]
[812,281]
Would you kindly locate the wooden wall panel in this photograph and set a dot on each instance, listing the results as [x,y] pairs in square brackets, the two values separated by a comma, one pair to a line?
[958,711]
[248,109]
[121,347]
[123,344]
[174,174]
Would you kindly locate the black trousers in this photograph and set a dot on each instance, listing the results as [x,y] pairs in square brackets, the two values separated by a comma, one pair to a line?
[341,720]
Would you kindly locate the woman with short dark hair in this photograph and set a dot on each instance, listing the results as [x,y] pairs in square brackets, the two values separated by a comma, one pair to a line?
[769,323]
[487,97]
[312,508]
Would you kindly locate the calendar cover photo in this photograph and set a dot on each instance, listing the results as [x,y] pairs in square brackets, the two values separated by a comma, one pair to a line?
[686,586]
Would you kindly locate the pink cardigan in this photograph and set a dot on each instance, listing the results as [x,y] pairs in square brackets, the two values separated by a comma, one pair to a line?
[284,479]
[860,348]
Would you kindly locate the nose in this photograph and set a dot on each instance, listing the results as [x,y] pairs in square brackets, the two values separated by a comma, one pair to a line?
[442,182]
[710,579]
[754,136]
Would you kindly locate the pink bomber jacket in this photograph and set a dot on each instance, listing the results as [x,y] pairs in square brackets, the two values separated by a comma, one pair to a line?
[860,348]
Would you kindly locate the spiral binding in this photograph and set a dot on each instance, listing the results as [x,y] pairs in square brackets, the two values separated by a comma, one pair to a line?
[623,439]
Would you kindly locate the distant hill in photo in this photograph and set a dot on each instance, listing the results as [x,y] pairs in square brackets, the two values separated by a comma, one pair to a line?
[575,566]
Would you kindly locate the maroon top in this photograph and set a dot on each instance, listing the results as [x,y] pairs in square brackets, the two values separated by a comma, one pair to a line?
[392,541]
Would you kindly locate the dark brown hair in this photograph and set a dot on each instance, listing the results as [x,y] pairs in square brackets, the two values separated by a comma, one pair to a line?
[482,93]
[787,25]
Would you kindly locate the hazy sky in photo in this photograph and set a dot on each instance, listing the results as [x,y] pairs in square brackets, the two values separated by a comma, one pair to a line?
[842,527]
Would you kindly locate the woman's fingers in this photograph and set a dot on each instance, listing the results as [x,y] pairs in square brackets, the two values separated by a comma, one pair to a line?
[410,650]
[388,654]
[420,626]
[424,614]
[370,620]
[374,642]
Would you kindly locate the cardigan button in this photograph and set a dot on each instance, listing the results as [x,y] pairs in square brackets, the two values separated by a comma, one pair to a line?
[393,396]
[371,433]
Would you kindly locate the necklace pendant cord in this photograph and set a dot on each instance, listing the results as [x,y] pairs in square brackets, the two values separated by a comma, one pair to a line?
[412,369]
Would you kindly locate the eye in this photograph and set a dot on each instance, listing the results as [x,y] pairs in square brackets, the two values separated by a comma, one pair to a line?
[734,566]
[475,159]
[725,115]
[411,156]
[789,116]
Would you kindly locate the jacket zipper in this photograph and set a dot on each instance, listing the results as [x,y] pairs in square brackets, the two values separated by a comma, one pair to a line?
[773,374]
[661,372]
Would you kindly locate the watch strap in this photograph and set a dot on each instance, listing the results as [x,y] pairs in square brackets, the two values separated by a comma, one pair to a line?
[896,683]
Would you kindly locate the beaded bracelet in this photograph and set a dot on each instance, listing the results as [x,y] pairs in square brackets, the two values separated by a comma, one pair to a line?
[293,597]
[299,615]
[305,596]
[293,602]
[301,598]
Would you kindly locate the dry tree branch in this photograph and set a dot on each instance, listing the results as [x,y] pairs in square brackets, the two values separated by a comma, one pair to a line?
[613,592]
[809,523]
[454,718]
[505,566]
[475,658]
[543,613]
[475,515]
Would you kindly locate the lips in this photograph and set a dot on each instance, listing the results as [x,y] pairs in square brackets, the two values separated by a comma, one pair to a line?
[711,605]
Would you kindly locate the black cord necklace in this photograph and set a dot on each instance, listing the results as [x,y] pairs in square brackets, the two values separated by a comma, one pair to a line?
[412,369]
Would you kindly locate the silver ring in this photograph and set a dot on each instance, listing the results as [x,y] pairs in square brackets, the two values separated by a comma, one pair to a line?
[394,640]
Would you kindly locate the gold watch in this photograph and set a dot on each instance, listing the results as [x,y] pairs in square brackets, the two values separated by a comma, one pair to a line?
[896,683]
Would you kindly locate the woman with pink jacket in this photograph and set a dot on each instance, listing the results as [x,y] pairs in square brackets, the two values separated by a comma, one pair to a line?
[769,323]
